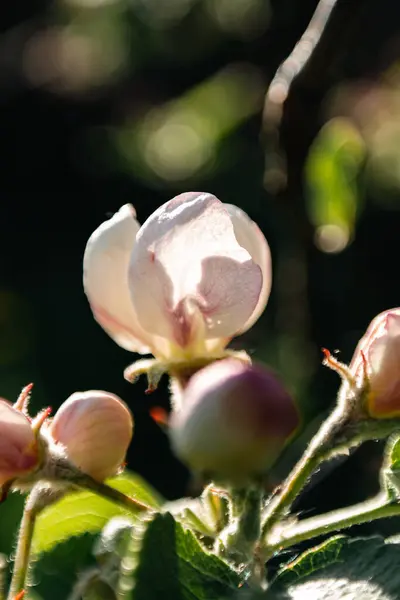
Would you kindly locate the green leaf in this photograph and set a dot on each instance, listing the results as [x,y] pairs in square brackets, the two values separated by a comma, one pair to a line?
[166,561]
[55,573]
[83,512]
[341,567]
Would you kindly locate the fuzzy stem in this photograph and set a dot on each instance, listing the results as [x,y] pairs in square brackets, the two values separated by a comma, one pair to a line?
[3,576]
[377,508]
[313,456]
[60,471]
[84,481]
[38,499]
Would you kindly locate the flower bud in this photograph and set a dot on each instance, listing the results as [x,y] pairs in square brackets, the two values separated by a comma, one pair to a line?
[376,365]
[234,421]
[19,454]
[95,428]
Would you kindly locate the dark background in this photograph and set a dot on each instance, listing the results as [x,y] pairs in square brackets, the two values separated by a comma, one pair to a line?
[108,102]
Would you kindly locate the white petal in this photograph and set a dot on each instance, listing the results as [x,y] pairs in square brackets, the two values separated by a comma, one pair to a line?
[186,258]
[250,237]
[105,279]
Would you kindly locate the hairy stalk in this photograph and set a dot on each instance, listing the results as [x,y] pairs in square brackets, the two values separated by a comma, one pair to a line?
[40,497]
[3,576]
[61,472]
[238,540]
[84,481]
[338,434]
[316,452]
[378,508]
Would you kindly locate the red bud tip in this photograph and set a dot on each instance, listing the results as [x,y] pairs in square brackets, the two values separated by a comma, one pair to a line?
[326,353]
[150,390]
[20,595]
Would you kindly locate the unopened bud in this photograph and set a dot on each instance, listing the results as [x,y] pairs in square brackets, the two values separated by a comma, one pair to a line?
[95,428]
[376,365]
[234,421]
[19,453]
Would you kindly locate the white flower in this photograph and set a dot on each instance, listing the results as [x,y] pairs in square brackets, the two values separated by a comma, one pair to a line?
[196,274]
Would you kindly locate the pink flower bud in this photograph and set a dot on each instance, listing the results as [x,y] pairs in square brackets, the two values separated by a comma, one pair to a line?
[376,365]
[151,294]
[95,428]
[234,421]
[19,454]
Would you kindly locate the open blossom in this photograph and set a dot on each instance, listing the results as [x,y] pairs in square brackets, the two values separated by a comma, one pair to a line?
[95,428]
[194,275]
[376,365]
[19,454]
[234,421]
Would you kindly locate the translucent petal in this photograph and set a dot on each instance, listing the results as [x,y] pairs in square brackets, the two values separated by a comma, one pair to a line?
[105,279]
[186,255]
[250,237]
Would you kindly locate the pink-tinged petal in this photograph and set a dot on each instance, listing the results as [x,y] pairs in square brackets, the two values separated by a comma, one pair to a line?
[16,424]
[376,364]
[187,261]
[18,451]
[96,428]
[105,279]
[250,237]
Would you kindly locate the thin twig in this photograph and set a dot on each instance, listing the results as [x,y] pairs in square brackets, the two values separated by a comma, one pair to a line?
[279,88]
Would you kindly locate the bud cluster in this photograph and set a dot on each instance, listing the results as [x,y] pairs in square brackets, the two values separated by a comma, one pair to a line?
[92,430]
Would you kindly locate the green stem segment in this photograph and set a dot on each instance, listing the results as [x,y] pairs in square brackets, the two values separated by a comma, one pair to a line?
[38,499]
[337,434]
[84,481]
[378,508]
[313,456]
[21,563]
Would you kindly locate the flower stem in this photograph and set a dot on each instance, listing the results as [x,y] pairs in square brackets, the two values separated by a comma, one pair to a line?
[338,434]
[21,563]
[3,576]
[84,481]
[313,456]
[38,499]
[377,508]
[61,471]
